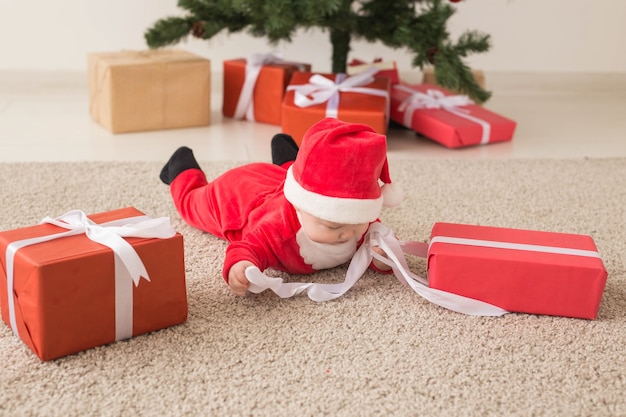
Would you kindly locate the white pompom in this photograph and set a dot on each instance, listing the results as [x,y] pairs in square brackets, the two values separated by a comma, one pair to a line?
[392,195]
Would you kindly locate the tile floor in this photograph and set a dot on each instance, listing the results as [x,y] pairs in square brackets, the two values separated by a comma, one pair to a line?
[45,117]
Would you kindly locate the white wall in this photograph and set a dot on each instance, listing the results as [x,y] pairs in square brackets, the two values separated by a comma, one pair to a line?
[528,35]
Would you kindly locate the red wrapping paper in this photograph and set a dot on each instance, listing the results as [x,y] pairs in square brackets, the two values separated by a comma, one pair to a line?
[535,282]
[353,107]
[269,89]
[64,289]
[447,128]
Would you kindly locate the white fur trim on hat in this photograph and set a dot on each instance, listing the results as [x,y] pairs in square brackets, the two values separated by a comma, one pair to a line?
[333,209]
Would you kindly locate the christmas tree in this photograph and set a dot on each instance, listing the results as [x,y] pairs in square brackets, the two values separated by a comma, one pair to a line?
[417,25]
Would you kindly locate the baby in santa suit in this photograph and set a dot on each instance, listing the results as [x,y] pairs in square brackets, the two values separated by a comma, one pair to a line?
[307,211]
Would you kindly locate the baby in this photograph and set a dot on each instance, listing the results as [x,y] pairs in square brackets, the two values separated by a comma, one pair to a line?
[307,211]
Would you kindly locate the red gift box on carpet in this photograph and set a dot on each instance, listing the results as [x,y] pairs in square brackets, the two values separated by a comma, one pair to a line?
[254,88]
[518,270]
[452,120]
[311,97]
[63,292]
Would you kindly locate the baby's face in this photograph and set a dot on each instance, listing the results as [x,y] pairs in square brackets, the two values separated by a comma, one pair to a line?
[323,231]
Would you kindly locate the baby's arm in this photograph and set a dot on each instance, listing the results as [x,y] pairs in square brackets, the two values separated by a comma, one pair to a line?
[237,280]
[239,256]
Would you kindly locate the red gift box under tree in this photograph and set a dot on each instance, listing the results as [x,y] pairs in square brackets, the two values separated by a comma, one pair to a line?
[361,98]
[451,120]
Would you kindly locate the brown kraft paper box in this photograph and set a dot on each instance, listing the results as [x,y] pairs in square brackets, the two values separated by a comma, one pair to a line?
[131,91]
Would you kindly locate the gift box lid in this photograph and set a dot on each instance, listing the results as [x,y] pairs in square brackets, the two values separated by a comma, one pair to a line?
[508,243]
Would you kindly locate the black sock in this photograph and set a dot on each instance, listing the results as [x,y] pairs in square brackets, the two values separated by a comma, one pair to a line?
[181,160]
[284,149]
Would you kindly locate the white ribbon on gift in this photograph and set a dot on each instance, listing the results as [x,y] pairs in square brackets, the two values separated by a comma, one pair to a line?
[254,64]
[435,99]
[514,246]
[129,268]
[381,236]
[320,90]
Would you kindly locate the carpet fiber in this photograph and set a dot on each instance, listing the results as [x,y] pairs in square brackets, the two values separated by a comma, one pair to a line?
[378,350]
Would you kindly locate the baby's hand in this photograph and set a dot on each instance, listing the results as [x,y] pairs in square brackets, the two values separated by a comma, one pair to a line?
[378,264]
[237,280]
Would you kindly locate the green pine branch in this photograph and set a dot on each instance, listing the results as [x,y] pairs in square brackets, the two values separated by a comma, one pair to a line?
[419,26]
[168,31]
[452,73]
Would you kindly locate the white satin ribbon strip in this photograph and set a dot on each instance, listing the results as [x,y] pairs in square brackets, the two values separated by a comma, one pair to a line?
[320,90]
[383,237]
[514,246]
[435,99]
[254,64]
[129,268]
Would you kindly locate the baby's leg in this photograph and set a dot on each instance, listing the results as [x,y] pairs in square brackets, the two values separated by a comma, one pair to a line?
[190,191]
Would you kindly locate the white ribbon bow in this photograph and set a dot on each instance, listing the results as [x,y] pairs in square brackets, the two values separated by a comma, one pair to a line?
[129,268]
[254,64]
[320,89]
[383,237]
[435,99]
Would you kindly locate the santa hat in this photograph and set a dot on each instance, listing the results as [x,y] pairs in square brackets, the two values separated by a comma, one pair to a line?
[337,173]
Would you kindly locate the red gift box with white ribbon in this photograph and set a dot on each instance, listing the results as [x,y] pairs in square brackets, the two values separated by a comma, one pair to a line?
[77,281]
[524,271]
[451,120]
[254,87]
[311,97]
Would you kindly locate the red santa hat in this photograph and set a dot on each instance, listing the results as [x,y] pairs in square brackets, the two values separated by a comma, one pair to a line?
[338,172]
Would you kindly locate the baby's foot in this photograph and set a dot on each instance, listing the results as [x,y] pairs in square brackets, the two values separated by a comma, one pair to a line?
[284,149]
[181,160]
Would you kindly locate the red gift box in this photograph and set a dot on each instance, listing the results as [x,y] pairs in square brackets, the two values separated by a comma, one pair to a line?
[254,90]
[312,97]
[69,294]
[518,270]
[387,69]
[452,120]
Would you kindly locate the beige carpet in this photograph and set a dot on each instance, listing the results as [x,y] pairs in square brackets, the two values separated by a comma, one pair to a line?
[378,350]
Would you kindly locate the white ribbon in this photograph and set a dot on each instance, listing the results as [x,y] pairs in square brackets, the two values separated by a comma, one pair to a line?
[254,64]
[435,99]
[320,89]
[514,246]
[129,268]
[381,236]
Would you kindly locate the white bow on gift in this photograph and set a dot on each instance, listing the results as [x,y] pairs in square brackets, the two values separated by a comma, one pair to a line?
[320,89]
[254,64]
[435,99]
[383,237]
[129,268]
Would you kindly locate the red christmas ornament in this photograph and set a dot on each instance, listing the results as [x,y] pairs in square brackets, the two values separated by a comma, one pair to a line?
[454,1]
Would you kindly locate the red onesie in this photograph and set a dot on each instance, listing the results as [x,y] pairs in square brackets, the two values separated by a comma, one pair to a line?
[247,207]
